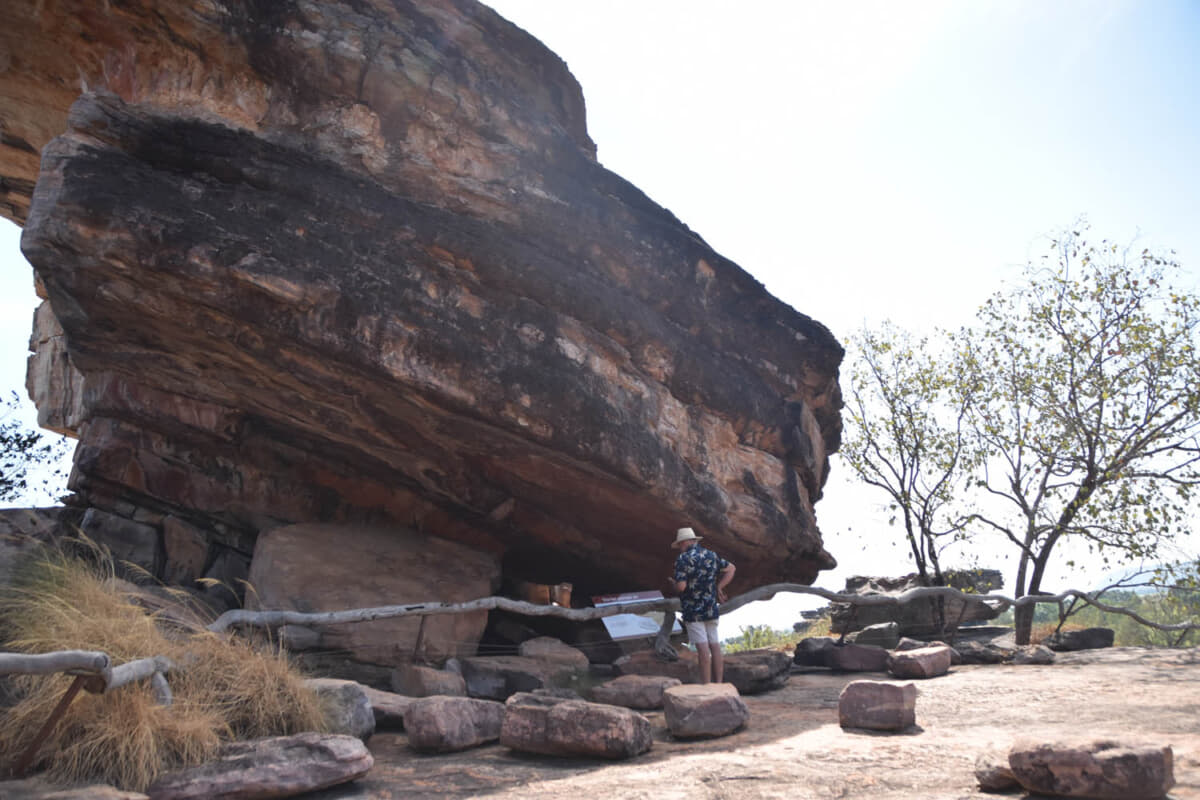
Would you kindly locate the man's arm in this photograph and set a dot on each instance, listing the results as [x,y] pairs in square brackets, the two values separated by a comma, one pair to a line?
[726,577]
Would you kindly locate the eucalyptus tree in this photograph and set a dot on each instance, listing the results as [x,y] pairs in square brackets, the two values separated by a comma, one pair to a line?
[1086,386]
[907,417]
[1070,411]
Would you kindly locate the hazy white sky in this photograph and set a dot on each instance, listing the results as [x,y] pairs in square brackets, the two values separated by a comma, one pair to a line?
[871,160]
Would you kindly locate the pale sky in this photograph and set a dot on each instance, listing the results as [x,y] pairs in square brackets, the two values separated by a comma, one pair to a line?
[871,160]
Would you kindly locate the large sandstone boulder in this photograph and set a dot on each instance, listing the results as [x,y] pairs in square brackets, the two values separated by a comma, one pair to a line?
[876,705]
[704,710]
[919,618]
[450,724]
[500,677]
[345,261]
[1102,770]
[752,672]
[281,766]
[416,680]
[922,662]
[338,567]
[561,727]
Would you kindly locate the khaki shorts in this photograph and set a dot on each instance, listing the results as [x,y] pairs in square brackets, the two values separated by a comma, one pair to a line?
[702,632]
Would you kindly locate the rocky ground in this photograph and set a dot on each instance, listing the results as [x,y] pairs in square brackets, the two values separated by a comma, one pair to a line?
[793,746]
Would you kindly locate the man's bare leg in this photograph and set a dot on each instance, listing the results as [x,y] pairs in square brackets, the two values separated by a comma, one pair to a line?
[718,663]
[705,659]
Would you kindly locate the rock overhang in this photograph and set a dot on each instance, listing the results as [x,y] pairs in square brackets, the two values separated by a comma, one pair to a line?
[274,327]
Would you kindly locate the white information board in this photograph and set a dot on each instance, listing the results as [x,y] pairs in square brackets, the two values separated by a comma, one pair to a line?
[632,626]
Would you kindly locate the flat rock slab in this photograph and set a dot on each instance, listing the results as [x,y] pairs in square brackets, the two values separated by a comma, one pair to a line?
[752,672]
[280,766]
[921,662]
[1086,639]
[547,648]
[634,691]
[449,724]
[1102,769]
[876,705]
[554,726]
[704,710]
[346,706]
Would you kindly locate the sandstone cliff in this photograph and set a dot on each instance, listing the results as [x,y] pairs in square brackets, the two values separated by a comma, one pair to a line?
[356,261]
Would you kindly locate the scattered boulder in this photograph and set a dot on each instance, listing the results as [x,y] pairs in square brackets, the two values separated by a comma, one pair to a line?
[500,677]
[634,691]
[1034,654]
[1101,769]
[557,727]
[885,635]
[1086,639]
[757,671]
[388,708]
[547,648]
[450,724]
[993,773]
[704,710]
[857,658]
[924,662]
[813,651]
[415,680]
[876,705]
[975,652]
[346,706]
[280,766]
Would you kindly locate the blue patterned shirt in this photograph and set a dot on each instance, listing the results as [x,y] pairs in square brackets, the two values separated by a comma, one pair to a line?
[700,568]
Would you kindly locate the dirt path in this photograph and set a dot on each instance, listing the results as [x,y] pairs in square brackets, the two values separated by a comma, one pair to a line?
[794,748]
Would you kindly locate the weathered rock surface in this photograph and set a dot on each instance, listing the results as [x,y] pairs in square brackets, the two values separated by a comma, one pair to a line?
[1103,770]
[751,672]
[876,705]
[416,680]
[1085,639]
[346,706]
[918,618]
[634,691]
[280,766]
[347,261]
[557,727]
[974,652]
[704,710]
[336,567]
[813,651]
[923,662]
[449,724]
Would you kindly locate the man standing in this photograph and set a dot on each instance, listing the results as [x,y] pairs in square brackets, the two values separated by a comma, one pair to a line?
[700,579]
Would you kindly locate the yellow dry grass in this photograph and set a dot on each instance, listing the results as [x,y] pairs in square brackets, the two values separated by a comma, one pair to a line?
[223,688]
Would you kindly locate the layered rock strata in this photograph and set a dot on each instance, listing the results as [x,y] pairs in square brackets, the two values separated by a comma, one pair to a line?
[345,262]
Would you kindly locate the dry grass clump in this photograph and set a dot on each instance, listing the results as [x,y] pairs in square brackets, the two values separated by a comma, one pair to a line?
[1044,629]
[223,689]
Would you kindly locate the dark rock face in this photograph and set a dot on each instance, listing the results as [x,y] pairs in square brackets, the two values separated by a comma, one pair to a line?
[330,262]
[1086,639]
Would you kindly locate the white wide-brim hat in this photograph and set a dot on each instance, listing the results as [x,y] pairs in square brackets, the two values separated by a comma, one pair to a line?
[685,535]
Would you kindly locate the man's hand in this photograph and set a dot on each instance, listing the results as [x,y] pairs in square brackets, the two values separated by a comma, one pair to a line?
[721,595]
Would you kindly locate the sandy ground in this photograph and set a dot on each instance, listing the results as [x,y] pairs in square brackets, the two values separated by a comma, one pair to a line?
[793,747]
